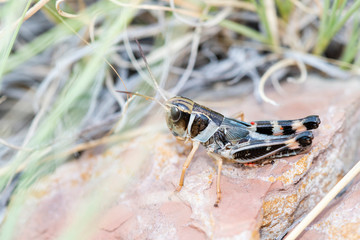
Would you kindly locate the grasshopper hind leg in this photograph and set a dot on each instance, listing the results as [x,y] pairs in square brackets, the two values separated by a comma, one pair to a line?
[257,150]
[239,115]
[301,144]
[286,127]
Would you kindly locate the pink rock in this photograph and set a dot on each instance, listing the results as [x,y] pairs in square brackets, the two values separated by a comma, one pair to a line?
[130,192]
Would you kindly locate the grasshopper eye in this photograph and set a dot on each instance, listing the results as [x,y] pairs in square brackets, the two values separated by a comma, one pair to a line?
[175,114]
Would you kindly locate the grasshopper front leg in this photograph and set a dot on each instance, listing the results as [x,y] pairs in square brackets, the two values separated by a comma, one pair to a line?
[186,165]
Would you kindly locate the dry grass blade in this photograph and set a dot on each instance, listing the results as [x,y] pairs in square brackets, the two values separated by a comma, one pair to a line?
[324,202]
[305,8]
[3,142]
[156,7]
[87,43]
[231,3]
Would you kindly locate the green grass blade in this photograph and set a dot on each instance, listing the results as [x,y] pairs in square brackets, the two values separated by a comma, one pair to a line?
[339,24]
[352,46]
[243,30]
[10,13]
[322,40]
[261,11]
[285,8]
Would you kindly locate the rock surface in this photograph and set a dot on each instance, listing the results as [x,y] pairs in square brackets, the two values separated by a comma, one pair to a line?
[341,219]
[130,191]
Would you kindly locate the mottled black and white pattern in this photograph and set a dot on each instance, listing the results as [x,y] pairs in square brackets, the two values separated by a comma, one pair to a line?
[235,140]
[245,142]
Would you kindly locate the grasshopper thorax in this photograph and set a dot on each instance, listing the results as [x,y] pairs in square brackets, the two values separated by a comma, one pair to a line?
[178,114]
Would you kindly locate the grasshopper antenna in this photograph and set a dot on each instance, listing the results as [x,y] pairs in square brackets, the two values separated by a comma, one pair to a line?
[148,68]
[144,96]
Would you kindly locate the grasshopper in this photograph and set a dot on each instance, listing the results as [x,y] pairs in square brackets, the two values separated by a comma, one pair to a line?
[235,140]
[231,139]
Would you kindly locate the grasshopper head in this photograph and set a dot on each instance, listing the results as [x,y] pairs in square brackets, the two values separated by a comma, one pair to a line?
[178,115]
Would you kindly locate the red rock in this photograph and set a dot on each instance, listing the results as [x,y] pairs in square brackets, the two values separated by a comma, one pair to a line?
[135,189]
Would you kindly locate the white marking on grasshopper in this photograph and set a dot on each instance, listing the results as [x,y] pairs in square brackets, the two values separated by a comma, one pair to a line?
[298,126]
[277,129]
[292,144]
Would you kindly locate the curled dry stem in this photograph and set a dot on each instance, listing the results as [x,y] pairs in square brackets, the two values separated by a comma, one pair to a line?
[281,64]
[303,73]
[62,13]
